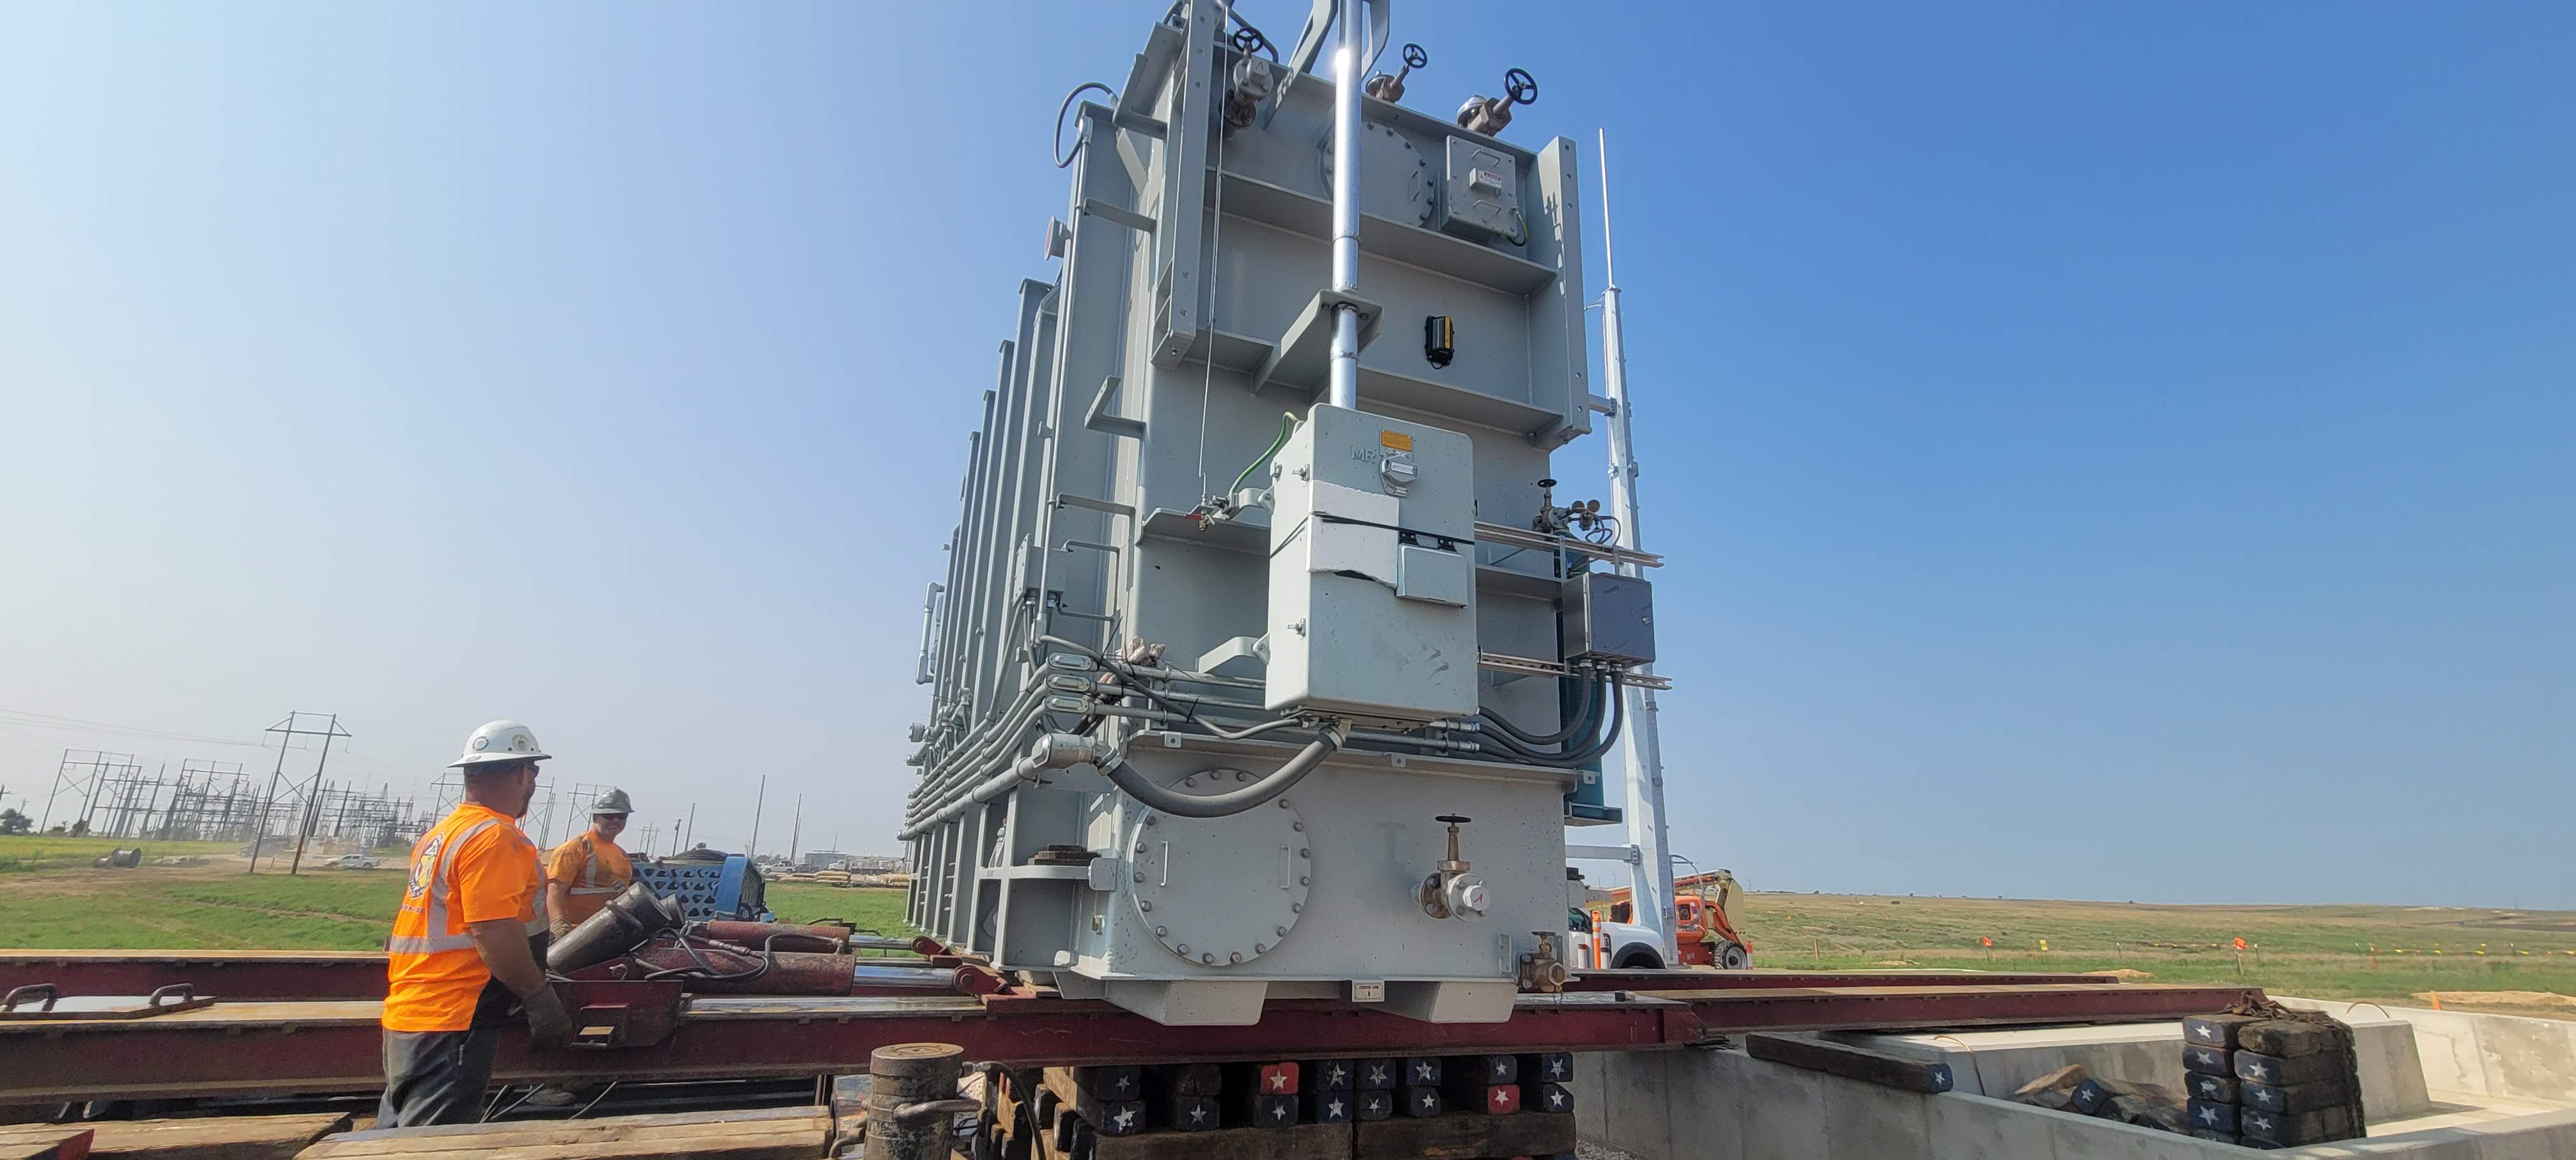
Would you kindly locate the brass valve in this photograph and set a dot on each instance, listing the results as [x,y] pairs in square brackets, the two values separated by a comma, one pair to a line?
[1452,892]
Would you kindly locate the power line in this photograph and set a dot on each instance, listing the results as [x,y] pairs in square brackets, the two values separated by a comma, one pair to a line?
[49,721]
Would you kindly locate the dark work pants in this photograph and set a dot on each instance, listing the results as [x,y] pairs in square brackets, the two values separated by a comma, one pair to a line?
[436,1077]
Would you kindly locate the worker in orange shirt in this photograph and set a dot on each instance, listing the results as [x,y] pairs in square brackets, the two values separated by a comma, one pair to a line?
[587,871]
[467,941]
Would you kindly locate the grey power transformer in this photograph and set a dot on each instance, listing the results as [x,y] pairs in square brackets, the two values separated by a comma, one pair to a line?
[1213,658]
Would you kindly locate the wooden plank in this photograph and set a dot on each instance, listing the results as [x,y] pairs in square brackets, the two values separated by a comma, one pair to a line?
[1849,1062]
[62,1142]
[1463,1136]
[761,1146]
[781,1133]
[1303,1142]
[203,1138]
[657,1120]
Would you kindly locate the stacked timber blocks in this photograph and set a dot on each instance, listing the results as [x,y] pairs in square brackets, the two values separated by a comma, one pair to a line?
[1315,1109]
[2271,1083]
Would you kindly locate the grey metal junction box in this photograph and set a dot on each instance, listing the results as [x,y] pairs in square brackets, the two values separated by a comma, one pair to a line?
[1609,618]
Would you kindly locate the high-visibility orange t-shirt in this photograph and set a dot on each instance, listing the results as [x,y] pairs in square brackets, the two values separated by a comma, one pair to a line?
[592,871]
[473,866]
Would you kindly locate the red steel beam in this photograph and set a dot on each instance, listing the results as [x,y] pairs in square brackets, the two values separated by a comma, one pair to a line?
[288,976]
[244,975]
[246,1048]
[1690,980]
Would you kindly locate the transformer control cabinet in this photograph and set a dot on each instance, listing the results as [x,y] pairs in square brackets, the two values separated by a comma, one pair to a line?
[1609,618]
[1372,570]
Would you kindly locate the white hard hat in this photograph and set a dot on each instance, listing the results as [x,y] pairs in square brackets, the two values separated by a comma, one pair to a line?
[614,801]
[499,741]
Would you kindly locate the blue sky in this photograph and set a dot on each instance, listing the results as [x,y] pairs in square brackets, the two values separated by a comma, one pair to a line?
[2100,452]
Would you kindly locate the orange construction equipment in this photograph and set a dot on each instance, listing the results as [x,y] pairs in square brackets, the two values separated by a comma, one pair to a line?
[1701,930]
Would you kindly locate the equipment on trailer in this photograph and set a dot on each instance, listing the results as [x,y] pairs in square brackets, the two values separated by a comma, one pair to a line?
[708,884]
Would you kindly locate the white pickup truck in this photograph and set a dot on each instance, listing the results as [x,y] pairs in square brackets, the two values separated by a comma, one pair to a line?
[1625,945]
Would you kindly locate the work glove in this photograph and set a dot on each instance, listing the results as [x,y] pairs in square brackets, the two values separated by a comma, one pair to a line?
[548,1023]
[560,927]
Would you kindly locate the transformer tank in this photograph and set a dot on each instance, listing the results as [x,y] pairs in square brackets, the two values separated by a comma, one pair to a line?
[1237,693]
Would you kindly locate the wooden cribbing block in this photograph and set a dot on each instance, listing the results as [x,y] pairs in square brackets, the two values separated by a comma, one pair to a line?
[2201,1060]
[1106,1116]
[1421,1071]
[1548,1067]
[1546,1097]
[1374,1104]
[1490,1069]
[2211,1089]
[2214,1030]
[1418,1102]
[1464,1136]
[2278,1071]
[1277,1079]
[1185,1113]
[1331,1075]
[1466,1091]
[1378,1075]
[2288,1037]
[2291,1129]
[1111,1083]
[768,1134]
[209,1138]
[2305,1097]
[1849,1062]
[2211,1117]
[1185,1079]
[1328,1107]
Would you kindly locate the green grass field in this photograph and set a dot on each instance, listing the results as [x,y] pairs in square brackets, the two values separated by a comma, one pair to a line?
[28,853]
[2385,954]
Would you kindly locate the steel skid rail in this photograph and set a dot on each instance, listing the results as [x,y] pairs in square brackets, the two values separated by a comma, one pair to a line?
[650,1031]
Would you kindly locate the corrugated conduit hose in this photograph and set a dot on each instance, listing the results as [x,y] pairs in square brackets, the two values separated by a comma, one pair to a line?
[1182,805]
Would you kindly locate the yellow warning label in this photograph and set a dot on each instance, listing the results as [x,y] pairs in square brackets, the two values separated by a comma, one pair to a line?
[1395,439]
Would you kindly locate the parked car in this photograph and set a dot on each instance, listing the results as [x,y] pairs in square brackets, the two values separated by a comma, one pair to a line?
[354,862]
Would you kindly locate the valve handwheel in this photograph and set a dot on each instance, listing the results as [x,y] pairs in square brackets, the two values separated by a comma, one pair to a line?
[1414,57]
[1454,819]
[1521,87]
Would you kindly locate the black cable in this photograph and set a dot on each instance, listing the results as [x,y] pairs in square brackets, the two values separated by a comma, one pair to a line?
[1599,746]
[1580,719]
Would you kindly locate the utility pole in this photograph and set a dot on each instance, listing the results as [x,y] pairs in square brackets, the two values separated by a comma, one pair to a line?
[693,826]
[796,832]
[1643,756]
[313,800]
[259,831]
[754,848]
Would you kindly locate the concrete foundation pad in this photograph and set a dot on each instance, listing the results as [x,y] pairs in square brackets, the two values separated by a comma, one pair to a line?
[1720,1104]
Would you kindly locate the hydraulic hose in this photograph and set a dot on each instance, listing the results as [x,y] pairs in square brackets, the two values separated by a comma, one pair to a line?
[1582,720]
[1155,797]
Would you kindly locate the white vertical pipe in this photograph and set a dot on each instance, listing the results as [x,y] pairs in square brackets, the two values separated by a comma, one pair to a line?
[921,674]
[1345,387]
[1644,753]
